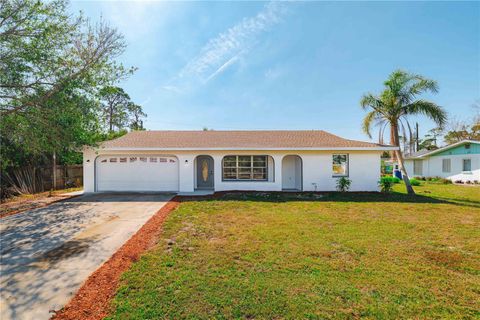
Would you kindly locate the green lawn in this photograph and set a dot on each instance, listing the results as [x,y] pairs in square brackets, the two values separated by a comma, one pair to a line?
[264,256]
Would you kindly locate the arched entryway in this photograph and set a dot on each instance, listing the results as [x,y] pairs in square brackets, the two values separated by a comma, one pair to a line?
[292,173]
[204,173]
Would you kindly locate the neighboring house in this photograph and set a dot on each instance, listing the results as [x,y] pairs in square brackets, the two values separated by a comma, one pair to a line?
[458,161]
[185,161]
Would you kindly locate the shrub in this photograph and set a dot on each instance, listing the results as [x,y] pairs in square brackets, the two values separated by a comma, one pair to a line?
[390,178]
[468,182]
[438,180]
[386,184]
[343,184]
[414,182]
[475,182]
[459,181]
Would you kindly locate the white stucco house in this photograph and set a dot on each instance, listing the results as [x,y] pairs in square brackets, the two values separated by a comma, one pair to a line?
[458,162]
[186,161]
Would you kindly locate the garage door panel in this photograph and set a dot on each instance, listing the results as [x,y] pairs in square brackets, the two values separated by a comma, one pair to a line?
[137,173]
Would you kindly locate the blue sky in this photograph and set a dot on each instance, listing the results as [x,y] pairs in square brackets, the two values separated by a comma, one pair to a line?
[289,65]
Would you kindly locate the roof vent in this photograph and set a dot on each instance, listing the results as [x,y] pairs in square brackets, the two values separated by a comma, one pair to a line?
[467,146]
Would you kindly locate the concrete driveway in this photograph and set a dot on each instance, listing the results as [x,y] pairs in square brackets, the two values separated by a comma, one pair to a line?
[47,253]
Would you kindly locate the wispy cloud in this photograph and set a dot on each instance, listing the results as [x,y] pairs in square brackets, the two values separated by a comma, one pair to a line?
[172,88]
[228,47]
[224,66]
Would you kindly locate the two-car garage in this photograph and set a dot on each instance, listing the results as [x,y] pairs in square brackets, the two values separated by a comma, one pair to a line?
[155,173]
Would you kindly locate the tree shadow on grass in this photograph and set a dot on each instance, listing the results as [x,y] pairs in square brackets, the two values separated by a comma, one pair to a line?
[373,197]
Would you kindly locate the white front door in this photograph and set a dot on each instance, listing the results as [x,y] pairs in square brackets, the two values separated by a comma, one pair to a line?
[292,173]
[137,173]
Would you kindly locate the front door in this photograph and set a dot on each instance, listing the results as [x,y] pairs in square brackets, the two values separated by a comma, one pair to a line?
[204,172]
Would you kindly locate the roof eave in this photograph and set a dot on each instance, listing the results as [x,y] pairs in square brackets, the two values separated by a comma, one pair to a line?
[453,145]
[379,148]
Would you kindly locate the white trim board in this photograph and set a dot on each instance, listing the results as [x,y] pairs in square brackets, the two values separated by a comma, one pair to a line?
[253,149]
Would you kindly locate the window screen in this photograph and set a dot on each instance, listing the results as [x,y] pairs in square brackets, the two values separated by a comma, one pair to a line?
[467,165]
[417,167]
[245,168]
[446,165]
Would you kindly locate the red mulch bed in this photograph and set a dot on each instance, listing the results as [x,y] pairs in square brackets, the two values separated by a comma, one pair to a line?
[92,300]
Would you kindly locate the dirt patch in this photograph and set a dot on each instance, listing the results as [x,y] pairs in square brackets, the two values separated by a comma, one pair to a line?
[36,201]
[445,258]
[92,301]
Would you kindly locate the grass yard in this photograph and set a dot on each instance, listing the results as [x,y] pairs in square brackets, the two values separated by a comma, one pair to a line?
[264,256]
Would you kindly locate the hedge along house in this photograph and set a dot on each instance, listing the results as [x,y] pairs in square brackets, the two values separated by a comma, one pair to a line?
[457,162]
[186,161]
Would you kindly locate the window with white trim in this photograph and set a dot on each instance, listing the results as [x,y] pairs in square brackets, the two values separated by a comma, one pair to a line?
[467,165]
[417,167]
[340,165]
[446,165]
[238,168]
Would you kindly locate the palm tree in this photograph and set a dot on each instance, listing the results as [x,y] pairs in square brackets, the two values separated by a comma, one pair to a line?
[395,104]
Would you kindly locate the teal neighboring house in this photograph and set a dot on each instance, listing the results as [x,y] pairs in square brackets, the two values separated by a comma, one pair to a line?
[458,162]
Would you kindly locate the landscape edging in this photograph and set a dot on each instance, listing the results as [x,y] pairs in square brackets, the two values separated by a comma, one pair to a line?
[92,300]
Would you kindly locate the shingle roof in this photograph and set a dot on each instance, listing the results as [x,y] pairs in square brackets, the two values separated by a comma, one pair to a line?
[427,153]
[418,153]
[235,139]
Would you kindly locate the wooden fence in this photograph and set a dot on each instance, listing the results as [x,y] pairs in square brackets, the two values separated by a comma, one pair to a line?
[66,176]
[38,179]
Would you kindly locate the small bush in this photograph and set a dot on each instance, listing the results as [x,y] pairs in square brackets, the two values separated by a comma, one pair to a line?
[386,184]
[343,184]
[392,179]
[439,180]
[468,182]
[414,182]
[475,181]
[459,181]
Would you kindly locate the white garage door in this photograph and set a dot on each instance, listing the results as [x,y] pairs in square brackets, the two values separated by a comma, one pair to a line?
[137,173]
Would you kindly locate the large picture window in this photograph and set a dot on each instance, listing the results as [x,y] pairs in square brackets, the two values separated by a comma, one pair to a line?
[340,165]
[245,168]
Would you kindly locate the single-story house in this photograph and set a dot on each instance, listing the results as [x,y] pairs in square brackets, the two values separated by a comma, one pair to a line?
[186,161]
[458,162]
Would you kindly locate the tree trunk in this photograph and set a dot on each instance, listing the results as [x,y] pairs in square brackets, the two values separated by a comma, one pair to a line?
[54,168]
[399,156]
[393,155]
[111,119]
